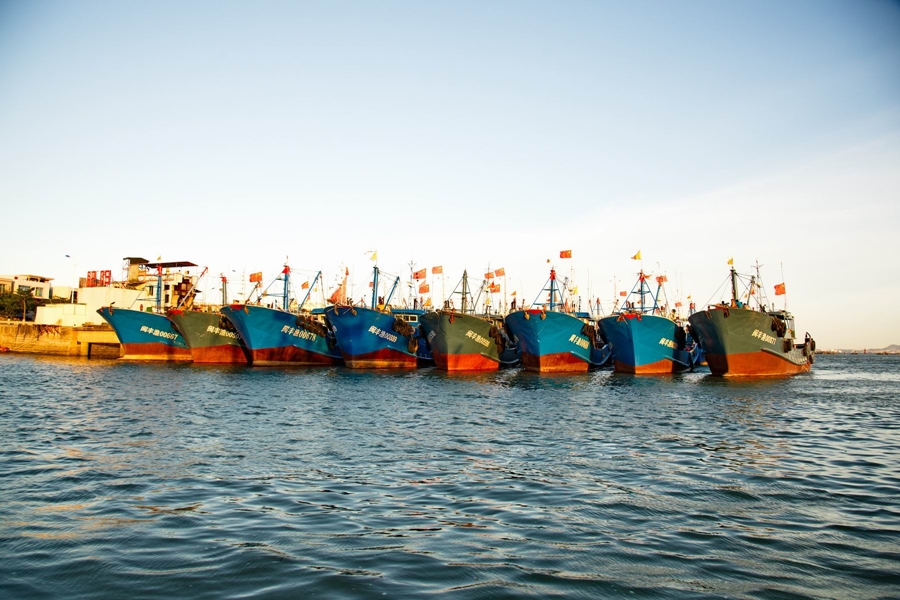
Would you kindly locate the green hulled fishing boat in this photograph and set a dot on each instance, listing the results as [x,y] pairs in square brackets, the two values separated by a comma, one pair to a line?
[744,338]
[463,341]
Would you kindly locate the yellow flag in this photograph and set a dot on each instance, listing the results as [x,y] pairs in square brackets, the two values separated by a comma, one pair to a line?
[731,261]
[575,290]
[637,256]
[374,255]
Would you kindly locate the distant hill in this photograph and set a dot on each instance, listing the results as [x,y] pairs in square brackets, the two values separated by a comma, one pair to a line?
[892,349]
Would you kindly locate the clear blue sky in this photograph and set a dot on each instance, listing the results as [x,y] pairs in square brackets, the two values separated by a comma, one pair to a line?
[464,134]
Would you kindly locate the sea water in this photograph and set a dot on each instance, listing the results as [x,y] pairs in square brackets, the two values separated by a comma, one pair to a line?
[136,480]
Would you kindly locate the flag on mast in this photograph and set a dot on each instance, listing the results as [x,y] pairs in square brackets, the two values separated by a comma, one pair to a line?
[565,254]
[637,256]
[779,289]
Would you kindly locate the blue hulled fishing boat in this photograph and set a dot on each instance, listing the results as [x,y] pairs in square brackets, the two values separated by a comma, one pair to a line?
[279,336]
[645,337]
[149,335]
[553,337]
[145,335]
[377,337]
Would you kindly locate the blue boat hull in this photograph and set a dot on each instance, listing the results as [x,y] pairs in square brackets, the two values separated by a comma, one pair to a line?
[552,342]
[371,339]
[146,336]
[646,344]
[275,337]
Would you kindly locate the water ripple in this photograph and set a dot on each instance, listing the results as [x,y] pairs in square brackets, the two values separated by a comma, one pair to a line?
[176,480]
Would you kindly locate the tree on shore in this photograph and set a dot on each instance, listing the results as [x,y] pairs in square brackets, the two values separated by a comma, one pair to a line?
[13,304]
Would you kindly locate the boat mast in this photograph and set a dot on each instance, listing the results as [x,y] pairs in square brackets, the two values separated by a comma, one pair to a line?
[465,291]
[643,285]
[184,298]
[224,289]
[552,287]
[413,290]
[374,286]
[287,278]
[734,287]
[782,280]
[391,293]
[309,291]
[159,287]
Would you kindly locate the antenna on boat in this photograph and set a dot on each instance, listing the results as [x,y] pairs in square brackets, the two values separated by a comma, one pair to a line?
[411,295]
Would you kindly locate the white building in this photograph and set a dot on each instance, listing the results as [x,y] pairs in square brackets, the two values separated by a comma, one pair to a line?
[41,285]
[89,301]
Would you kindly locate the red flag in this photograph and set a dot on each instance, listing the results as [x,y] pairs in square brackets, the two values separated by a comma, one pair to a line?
[423,289]
[371,284]
[305,285]
[420,274]
[565,254]
[346,271]
[623,293]
[437,270]
[286,270]
[254,277]
[488,275]
[677,304]
[500,272]
[662,279]
[513,294]
[779,289]
[494,288]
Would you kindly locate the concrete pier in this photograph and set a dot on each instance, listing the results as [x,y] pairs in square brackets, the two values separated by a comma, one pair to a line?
[97,341]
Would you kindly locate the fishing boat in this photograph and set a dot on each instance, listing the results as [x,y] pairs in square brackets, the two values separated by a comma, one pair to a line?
[378,336]
[747,337]
[277,336]
[554,337]
[211,337]
[646,338]
[148,334]
[460,340]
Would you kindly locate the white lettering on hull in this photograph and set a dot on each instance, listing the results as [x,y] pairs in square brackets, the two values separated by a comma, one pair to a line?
[763,336]
[158,333]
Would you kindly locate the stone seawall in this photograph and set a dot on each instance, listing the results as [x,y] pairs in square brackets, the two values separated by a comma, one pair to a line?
[98,342]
